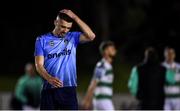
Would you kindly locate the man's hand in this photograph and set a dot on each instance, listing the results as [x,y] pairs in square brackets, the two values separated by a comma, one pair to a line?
[39,62]
[87,34]
[69,13]
[85,105]
[55,82]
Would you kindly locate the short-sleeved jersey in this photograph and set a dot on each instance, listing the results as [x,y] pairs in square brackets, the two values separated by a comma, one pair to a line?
[28,89]
[173,90]
[59,56]
[103,74]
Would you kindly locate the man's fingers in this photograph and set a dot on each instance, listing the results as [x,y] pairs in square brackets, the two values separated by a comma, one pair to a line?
[58,83]
[64,11]
[57,80]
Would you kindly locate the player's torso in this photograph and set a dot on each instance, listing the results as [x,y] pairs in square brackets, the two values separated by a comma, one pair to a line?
[60,58]
[33,85]
[173,90]
[104,88]
[57,47]
[176,68]
[108,77]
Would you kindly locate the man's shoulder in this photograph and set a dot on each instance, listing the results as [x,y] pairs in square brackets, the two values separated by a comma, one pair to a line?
[73,33]
[177,64]
[139,65]
[23,79]
[38,77]
[103,65]
[162,67]
[44,36]
[100,64]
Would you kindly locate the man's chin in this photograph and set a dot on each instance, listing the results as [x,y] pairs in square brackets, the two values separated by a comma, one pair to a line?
[62,35]
[112,56]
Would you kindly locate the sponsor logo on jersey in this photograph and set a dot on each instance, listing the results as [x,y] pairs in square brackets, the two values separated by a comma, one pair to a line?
[66,41]
[56,55]
[51,43]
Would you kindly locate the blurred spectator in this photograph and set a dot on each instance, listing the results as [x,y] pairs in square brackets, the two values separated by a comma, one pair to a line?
[147,81]
[172,91]
[101,84]
[27,90]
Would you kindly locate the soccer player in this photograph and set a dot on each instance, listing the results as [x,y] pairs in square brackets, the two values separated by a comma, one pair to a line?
[147,81]
[55,58]
[101,84]
[172,91]
[28,89]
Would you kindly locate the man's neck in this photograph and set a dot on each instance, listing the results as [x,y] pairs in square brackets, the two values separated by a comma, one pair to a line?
[169,62]
[108,59]
[54,32]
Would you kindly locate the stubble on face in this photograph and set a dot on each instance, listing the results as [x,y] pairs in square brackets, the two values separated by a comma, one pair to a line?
[62,27]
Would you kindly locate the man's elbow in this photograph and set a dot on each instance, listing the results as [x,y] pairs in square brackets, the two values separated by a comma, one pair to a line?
[38,67]
[92,36]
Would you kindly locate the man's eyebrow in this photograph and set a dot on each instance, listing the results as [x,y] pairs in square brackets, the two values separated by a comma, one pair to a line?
[65,26]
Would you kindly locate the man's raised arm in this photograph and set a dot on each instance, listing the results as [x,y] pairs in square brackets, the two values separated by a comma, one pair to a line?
[88,34]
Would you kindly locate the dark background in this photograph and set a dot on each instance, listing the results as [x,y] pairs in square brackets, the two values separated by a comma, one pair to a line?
[132,24]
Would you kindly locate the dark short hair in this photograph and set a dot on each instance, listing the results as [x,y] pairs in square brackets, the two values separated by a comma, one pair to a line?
[104,45]
[168,48]
[64,17]
[151,55]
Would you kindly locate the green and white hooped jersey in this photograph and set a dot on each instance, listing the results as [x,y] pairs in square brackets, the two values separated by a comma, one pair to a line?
[173,90]
[103,73]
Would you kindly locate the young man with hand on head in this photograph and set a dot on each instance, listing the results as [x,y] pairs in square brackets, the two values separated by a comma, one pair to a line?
[55,58]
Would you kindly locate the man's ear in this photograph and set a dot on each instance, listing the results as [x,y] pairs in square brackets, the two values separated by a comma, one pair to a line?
[105,51]
[55,22]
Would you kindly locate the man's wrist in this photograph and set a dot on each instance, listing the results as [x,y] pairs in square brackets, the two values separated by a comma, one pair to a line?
[47,77]
[76,18]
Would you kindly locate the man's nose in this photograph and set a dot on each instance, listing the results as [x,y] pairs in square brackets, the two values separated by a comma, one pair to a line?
[65,30]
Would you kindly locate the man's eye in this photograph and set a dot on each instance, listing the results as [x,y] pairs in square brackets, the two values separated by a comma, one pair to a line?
[63,26]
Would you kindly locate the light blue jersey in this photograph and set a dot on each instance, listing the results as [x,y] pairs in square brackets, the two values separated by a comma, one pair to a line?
[59,56]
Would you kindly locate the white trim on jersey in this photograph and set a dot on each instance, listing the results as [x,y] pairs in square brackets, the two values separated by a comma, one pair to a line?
[172,90]
[107,79]
[177,77]
[104,91]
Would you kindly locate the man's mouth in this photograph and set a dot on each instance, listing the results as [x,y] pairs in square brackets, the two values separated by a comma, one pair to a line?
[62,34]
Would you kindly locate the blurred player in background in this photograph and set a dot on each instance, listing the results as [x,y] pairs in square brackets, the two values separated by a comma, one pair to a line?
[55,58]
[28,89]
[172,91]
[147,82]
[101,89]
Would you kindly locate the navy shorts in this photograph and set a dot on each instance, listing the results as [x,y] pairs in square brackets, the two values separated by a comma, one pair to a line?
[59,99]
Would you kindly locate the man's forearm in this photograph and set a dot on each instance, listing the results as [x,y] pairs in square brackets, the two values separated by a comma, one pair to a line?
[88,33]
[55,82]
[42,71]
[88,98]
[90,92]
[85,28]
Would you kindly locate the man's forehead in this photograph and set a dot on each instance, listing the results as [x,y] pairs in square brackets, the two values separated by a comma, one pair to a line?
[171,50]
[64,22]
[111,46]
